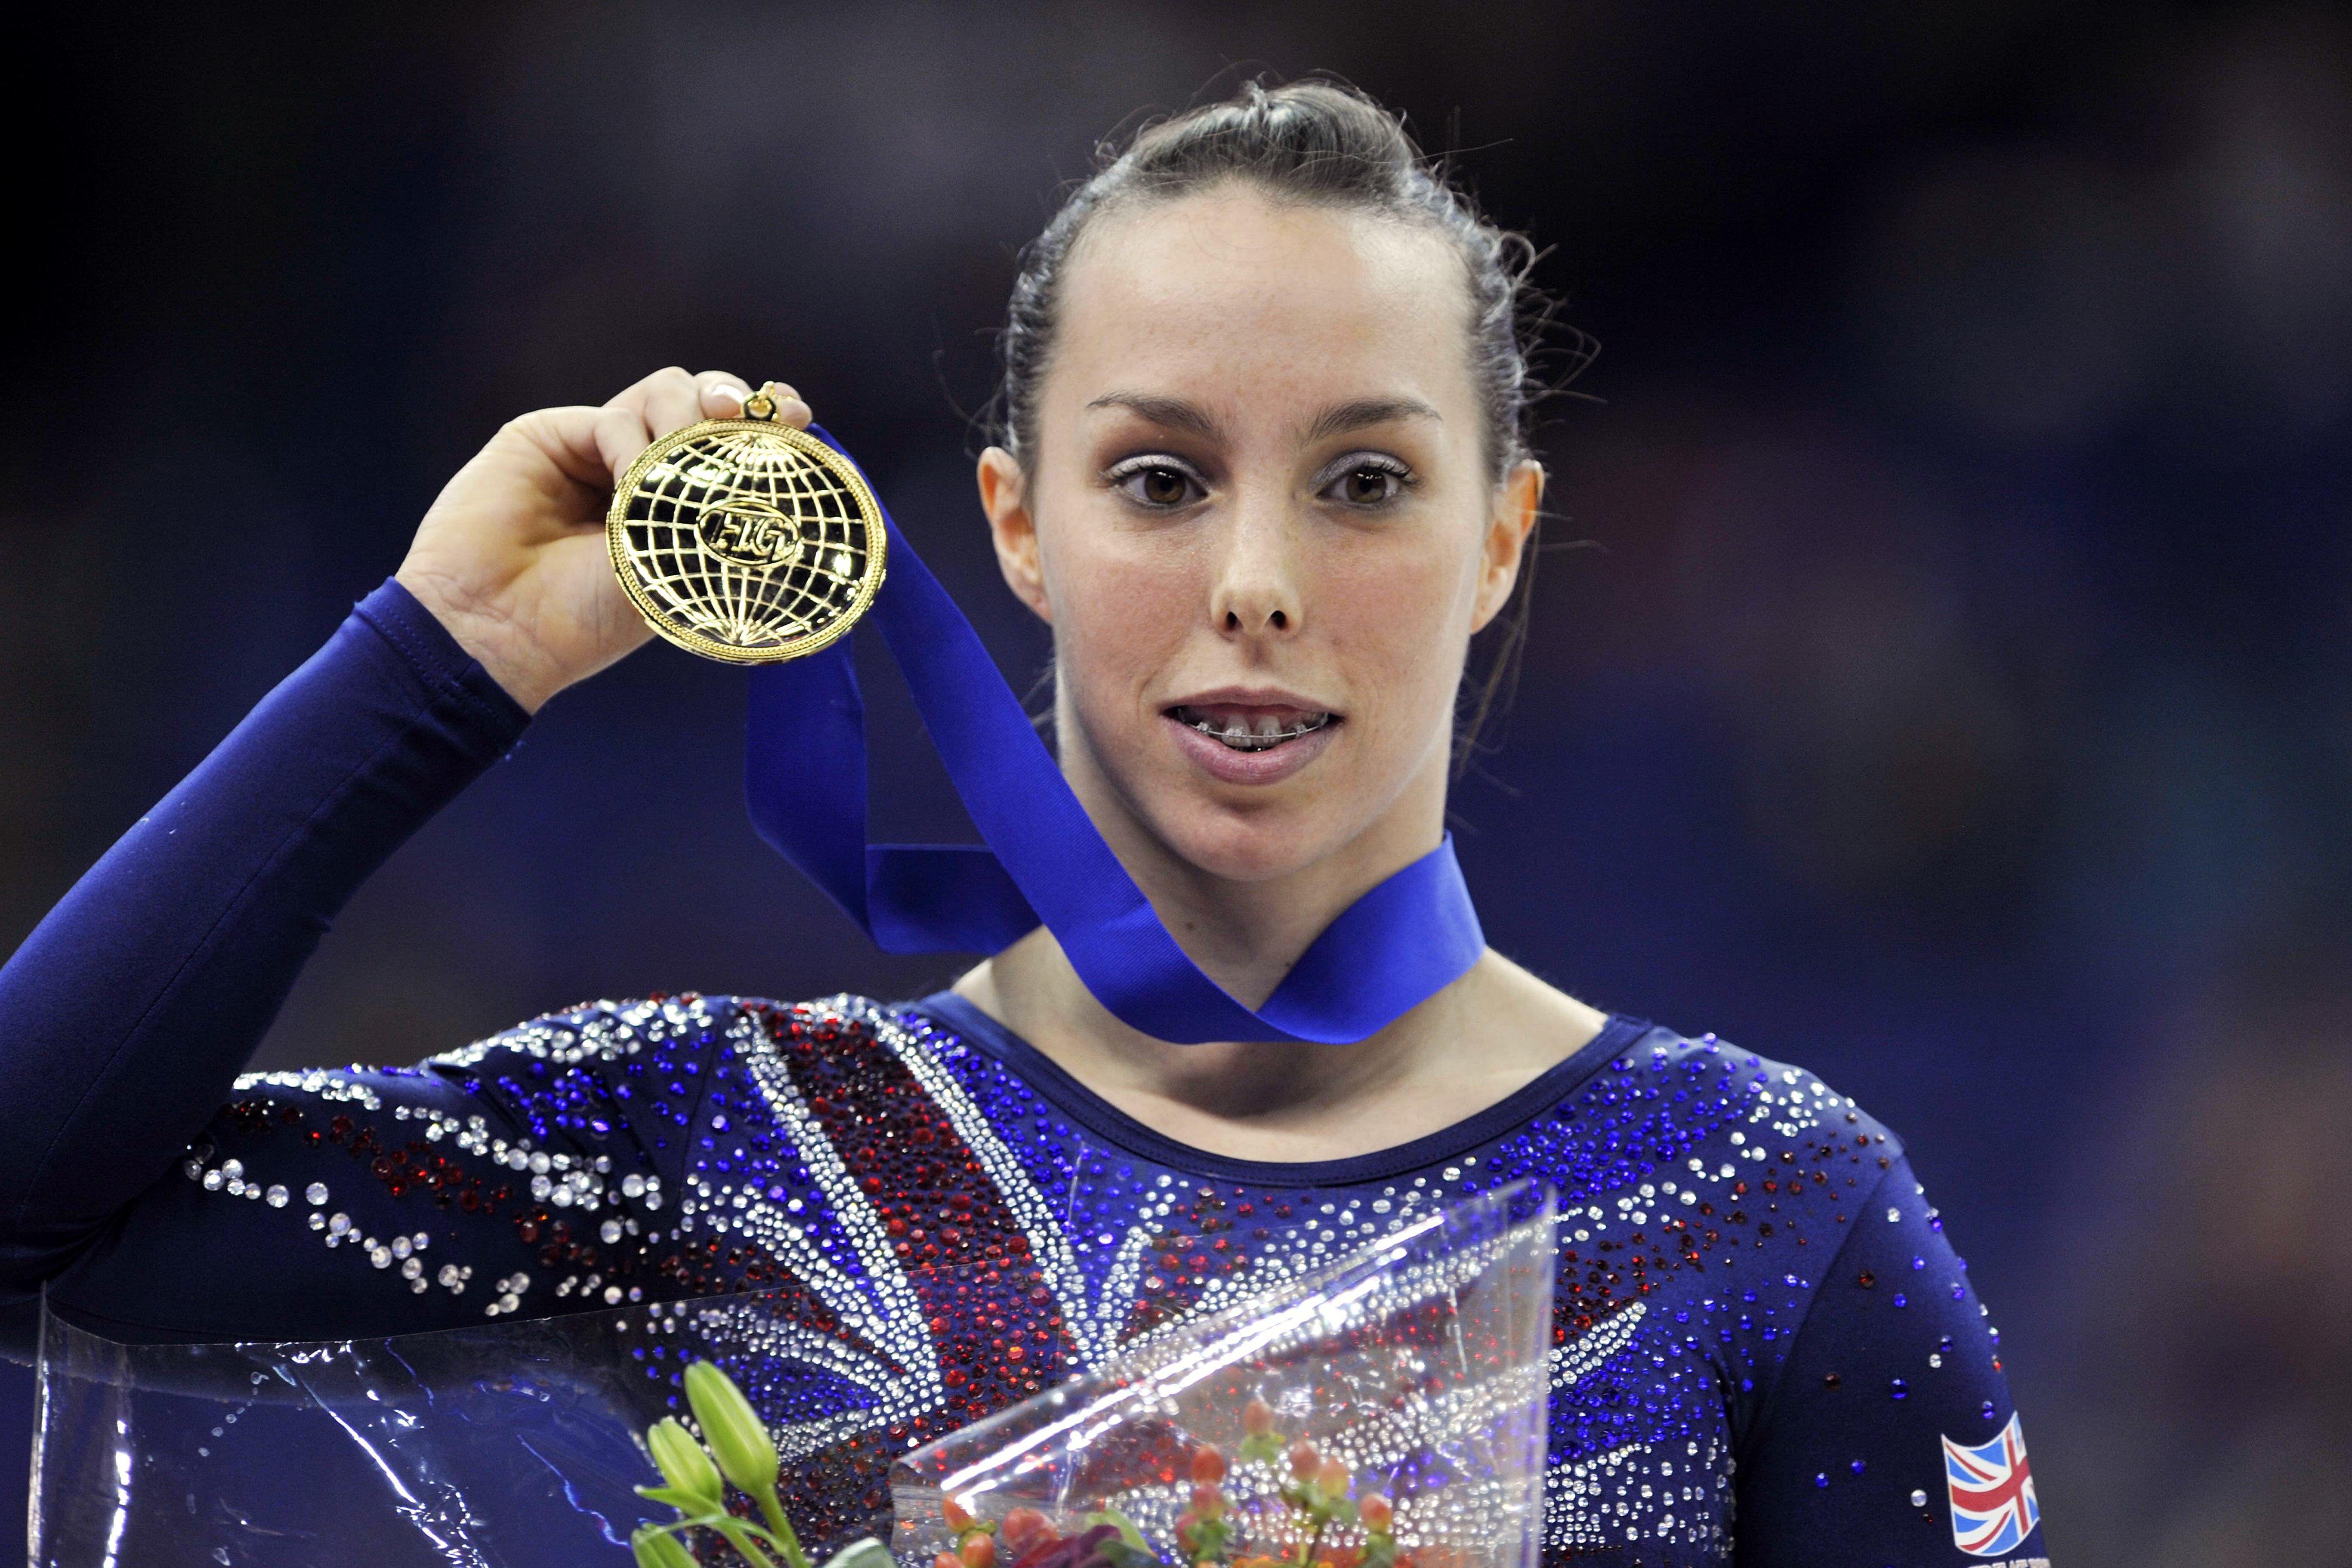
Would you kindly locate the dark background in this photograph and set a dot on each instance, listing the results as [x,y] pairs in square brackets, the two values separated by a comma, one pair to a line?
[1958,702]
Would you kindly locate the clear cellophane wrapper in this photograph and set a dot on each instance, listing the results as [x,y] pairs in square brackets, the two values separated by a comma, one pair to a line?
[1418,1363]
[514,1444]
[520,1443]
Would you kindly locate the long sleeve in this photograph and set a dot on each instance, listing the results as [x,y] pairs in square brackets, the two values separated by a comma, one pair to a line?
[1894,1362]
[131,1007]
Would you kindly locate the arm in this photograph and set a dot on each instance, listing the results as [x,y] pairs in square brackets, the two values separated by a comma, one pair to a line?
[131,1007]
[135,1002]
[1895,1357]
[536,1173]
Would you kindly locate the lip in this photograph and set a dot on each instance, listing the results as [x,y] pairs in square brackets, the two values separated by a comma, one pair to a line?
[1227,765]
[1248,696]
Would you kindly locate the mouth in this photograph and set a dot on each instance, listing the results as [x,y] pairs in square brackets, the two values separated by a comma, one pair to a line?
[1250,728]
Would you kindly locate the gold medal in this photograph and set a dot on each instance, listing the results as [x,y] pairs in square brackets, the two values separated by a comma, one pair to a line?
[745,539]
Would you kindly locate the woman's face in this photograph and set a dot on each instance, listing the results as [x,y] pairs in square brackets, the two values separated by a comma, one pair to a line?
[1262,522]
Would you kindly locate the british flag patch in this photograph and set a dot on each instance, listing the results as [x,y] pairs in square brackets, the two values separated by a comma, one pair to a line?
[1991,1488]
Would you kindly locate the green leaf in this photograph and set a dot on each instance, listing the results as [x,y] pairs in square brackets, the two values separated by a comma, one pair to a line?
[866,1553]
[1118,1554]
[654,1547]
[1127,1529]
[683,1503]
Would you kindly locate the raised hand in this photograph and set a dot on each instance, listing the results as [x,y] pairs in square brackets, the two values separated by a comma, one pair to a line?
[510,557]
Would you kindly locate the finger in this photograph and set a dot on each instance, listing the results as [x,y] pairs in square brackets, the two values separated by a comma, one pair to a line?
[791,409]
[621,433]
[568,437]
[673,402]
[667,400]
[723,394]
[638,393]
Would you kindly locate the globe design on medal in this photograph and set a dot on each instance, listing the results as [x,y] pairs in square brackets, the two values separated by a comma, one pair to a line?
[746,541]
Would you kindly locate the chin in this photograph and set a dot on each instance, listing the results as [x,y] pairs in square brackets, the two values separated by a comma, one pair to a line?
[1237,830]
[1261,847]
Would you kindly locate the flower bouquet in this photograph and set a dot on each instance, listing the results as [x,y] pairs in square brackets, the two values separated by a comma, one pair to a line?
[1385,1412]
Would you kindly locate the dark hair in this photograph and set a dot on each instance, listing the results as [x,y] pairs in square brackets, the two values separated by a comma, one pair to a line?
[1325,144]
[1311,142]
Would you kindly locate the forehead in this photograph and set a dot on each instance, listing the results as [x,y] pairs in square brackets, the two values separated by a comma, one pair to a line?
[1226,292]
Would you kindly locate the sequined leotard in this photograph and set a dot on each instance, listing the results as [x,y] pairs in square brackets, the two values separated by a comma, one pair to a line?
[1762,1336]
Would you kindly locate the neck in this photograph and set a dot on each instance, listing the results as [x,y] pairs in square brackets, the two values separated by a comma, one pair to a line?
[1472,1044]
[1460,1050]
[1245,933]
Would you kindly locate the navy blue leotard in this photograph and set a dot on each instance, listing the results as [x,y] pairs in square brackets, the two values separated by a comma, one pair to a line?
[1763,1341]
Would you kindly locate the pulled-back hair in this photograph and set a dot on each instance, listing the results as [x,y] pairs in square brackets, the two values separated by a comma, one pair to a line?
[1318,142]
[1327,145]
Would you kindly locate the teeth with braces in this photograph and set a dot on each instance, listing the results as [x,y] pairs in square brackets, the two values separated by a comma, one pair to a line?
[1241,739]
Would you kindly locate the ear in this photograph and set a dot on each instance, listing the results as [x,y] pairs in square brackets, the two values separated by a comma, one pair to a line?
[1004,497]
[1518,501]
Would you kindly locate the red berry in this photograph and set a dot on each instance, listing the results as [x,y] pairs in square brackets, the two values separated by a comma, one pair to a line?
[1376,1512]
[1305,1460]
[1257,1418]
[1207,1465]
[959,1517]
[946,1560]
[1208,1502]
[978,1550]
[1332,1476]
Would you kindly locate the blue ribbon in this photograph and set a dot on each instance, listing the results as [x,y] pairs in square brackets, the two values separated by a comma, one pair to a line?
[804,775]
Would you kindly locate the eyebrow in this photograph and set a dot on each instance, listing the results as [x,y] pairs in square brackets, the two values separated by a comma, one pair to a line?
[1175,413]
[1340,419]
[1170,413]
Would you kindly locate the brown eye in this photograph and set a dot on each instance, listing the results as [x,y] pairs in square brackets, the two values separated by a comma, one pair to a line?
[1158,485]
[1367,486]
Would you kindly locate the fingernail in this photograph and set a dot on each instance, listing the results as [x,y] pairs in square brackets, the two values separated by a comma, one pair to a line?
[734,394]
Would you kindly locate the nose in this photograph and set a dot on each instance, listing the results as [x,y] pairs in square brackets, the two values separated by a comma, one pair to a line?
[1255,591]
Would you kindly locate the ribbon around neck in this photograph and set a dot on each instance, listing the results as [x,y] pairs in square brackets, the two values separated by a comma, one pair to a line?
[805,777]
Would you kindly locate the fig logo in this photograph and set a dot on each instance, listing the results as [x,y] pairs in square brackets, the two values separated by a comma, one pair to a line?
[747,532]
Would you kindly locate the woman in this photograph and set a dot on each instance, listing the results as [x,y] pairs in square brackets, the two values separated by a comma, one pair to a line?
[1263,468]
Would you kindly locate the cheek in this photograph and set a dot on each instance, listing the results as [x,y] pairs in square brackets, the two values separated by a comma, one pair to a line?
[1119,613]
[1398,621]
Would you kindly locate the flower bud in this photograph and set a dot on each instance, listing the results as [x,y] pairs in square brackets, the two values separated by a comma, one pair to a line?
[1378,1513]
[655,1548]
[946,1559]
[1305,1458]
[959,1517]
[1208,1502]
[1023,1530]
[738,1439]
[1331,1479]
[1257,1418]
[978,1550]
[683,1464]
[1207,1465]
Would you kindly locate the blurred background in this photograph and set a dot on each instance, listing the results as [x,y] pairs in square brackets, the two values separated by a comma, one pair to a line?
[1958,699]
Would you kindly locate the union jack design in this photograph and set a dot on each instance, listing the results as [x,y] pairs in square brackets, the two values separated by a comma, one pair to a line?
[1991,1488]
